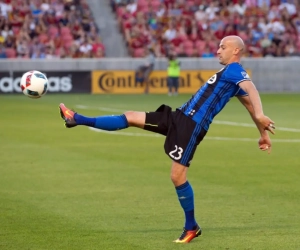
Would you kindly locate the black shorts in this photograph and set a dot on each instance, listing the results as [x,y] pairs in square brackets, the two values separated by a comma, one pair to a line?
[183,135]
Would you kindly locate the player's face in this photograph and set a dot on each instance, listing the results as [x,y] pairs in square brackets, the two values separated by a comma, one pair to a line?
[225,52]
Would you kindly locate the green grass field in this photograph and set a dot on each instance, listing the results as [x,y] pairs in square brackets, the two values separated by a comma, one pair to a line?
[79,189]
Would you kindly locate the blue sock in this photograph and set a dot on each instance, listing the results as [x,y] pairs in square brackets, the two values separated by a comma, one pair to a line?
[109,123]
[186,198]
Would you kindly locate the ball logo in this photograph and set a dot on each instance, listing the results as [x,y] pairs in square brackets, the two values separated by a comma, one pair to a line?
[28,80]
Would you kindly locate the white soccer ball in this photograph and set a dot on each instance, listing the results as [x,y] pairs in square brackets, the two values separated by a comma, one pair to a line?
[34,84]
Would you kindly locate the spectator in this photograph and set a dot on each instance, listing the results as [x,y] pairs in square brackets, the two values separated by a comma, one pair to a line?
[170,33]
[207,53]
[47,29]
[85,48]
[2,50]
[131,6]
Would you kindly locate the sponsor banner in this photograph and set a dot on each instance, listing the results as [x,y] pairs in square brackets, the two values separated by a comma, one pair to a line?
[123,82]
[58,82]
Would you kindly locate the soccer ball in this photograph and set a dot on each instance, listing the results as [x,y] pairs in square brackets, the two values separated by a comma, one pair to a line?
[34,84]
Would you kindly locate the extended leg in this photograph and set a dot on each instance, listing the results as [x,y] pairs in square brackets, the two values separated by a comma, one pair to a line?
[109,123]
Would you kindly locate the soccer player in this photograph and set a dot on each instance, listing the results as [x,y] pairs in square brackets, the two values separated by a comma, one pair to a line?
[186,127]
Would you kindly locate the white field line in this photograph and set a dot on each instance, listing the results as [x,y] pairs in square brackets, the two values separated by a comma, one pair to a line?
[206,138]
[237,124]
[99,108]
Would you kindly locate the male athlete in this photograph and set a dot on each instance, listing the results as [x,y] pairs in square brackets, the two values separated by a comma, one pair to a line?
[186,127]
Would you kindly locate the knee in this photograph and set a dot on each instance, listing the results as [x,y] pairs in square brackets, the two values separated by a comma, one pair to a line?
[178,174]
[130,116]
[136,119]
[176,179]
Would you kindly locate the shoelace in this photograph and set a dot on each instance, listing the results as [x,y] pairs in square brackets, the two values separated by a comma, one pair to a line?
[183,234]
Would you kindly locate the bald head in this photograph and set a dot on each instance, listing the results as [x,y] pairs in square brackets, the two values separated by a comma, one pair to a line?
[235,41]
[231,49]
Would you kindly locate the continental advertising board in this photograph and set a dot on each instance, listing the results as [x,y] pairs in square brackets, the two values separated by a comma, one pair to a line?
[123,82]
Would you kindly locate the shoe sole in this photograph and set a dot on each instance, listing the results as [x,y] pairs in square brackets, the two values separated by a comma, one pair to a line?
[62,116]
[197,235]
[61,113]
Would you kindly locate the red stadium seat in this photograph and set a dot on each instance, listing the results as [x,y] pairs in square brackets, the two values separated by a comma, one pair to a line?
[189,52]
[120,11]
[183,37]
[139,52]
[200,44]
[43,38]
[53,31]
[67,38]
[187,44]
[155,3]
[65,30]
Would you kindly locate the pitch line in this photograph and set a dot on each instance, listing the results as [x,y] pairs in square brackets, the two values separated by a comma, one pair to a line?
[207,137]
[239,124]
[229,123]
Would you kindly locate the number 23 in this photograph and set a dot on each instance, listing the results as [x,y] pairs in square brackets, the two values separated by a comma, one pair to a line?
[179,151]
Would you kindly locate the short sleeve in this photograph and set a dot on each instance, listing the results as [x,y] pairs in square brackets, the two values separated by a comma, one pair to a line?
[241,92]
[235,74]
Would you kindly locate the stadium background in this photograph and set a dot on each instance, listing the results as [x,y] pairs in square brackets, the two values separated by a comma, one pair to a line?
[97,35]
[102,34]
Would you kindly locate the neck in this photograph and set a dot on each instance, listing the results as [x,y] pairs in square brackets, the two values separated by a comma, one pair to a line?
[234,60]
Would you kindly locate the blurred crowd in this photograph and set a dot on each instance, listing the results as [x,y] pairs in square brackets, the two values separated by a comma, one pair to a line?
[194,28]
[48,29]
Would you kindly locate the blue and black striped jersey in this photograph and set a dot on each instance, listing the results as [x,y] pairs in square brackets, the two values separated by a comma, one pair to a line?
[211,98]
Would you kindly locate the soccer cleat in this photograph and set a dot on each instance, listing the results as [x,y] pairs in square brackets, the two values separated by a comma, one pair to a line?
[188,235]
[67,115]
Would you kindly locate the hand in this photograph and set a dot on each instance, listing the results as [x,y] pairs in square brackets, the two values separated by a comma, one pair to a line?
[264,143]
[266,123]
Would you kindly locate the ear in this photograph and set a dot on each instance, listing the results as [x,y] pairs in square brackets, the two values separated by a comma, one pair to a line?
[236,51]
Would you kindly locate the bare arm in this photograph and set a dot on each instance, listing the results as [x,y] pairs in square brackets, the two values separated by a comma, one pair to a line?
[254,106]
[263,123]
[245,100]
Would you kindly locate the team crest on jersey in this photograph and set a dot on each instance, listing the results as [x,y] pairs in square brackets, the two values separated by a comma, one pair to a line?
[245,75]
[212,79]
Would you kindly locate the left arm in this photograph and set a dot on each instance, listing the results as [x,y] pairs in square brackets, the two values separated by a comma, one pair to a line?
[254,104]
[245,100]
[256,113]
